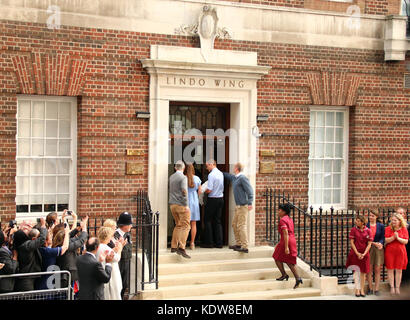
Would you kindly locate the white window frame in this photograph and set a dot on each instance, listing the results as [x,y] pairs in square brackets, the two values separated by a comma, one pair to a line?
[72,204]
[345,161]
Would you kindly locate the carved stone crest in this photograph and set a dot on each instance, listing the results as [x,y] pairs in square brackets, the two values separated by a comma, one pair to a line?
[207,29]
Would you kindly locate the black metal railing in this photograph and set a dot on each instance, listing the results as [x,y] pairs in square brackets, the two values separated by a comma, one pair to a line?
[145,239]
[322,237]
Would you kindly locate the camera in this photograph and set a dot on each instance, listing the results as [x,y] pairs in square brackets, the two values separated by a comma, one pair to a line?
[69,213]
[12,223]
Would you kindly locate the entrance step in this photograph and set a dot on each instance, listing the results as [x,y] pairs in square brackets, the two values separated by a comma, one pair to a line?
[224,274]
[205,254]
[221,276]
[222,288]
[259,295]
[215,265]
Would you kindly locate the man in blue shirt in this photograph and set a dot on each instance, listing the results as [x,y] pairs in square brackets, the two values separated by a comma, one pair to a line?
[213,236]
[243,194]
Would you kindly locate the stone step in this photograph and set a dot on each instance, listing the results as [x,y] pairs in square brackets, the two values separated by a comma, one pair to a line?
[221,288]
[215,265]
[204,254]
[258,295]
[219,276]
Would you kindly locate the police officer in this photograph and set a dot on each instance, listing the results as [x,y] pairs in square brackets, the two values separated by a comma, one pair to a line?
[124,225]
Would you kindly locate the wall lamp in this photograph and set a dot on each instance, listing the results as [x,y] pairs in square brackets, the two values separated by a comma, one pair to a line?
[142,114]
[262,117]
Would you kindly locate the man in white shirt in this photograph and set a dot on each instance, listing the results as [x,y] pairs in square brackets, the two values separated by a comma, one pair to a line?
[213,235]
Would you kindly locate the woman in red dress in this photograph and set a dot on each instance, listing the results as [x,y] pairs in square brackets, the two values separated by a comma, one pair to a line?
[395,255]
[358,257]
[285,250]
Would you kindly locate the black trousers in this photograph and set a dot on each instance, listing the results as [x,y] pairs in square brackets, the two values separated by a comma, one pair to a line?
[125,266]
[212,220]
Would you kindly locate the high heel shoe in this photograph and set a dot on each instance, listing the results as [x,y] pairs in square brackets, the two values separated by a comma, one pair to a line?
[298,282]
[285,277]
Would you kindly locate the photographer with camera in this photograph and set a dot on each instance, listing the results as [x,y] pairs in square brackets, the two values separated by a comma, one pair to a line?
[29,257]
[67,261]
[8,263]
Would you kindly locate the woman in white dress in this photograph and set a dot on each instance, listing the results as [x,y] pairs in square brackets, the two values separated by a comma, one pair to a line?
[112,289]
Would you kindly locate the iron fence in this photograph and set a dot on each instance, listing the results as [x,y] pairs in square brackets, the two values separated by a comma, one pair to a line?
[55,293]
[145,241]
[322,237]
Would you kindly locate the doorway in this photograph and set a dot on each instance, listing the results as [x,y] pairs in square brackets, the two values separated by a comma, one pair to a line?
[197,147]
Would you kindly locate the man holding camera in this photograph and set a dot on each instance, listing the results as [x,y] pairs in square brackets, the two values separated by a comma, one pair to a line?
[8,264]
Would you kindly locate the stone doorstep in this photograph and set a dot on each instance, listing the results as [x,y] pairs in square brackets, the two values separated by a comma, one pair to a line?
[198,290]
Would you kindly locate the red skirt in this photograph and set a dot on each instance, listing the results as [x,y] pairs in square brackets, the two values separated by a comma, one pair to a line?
[280,255]
[353,260]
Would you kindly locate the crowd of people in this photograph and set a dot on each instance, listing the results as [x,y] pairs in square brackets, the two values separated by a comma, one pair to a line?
[372,245]
[185,194]
[98,266]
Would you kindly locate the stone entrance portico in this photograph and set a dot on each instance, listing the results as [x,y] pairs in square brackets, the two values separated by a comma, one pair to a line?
[181,74]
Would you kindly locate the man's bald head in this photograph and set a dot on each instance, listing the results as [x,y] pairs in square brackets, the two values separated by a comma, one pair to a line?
[92,244]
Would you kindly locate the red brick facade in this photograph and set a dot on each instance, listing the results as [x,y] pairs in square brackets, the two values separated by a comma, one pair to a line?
[102,69]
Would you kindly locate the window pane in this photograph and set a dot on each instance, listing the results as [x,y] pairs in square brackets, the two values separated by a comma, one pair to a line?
[337,196]
[320,134]
[330,135]
[317,178]
[320,119]
[38,110]
[38,128]
[65,129]
[38,147]
[319,150]
[62,200]
[49,207]
[317,197]
[36,185]
[328,165]
[64,148]
[51,147]
[49,184]
[22,185]
[24,128]
[36,208]
[51,109]
[23,147]
[318,165]
[50,166]
[23,167]
[330,118]
[339,135]
[337,182]
[329,150]
[328,180]
[63,166]
[50,198]
[51,128]
[24,109]
[62,184]
[37,166]
[337,166]
[65,110]
[338,150]
[21,200]
[327,196]
[339,119]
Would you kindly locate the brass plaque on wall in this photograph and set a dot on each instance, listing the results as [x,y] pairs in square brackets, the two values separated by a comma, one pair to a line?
[135,152]
[267,167]
[267,153]
[135,168]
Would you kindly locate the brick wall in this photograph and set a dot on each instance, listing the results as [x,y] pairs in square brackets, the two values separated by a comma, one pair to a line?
[382,7]
[102,68]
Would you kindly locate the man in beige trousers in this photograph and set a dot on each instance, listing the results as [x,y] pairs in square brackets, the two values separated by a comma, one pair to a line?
[243,194]
[178,200]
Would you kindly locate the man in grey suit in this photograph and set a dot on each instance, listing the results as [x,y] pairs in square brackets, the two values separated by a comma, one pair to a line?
[91,273]
[178,200]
